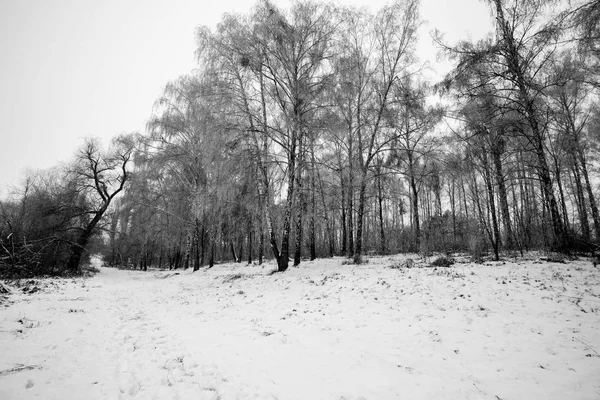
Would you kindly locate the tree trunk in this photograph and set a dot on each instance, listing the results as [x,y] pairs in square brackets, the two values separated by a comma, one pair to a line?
[515,67]
[188,250]
[381,226]
[240,238]
[202,241]
[112,237]
[343,204]
[196,245]
[502,195]
[284,256]
[496,243]
[453,209]
[232,248]
[560,240]
[360,217]
[79,246]
[581,206]
[299,216]
[414,203]
[590,193]
[485,224]
[249,235]
[211,256]
[313,245]
[561,194]
[350,219]
[261,245]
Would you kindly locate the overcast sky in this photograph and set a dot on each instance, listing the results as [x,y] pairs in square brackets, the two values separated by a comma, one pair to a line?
[87,68]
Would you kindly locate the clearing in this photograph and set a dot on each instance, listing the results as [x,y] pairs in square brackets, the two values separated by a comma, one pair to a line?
[519,329]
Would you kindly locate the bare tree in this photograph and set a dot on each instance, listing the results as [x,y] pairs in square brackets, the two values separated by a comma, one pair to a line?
[102,176]
[375,62]
[513,65]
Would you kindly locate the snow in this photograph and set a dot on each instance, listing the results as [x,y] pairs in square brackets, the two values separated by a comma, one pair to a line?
[519,329]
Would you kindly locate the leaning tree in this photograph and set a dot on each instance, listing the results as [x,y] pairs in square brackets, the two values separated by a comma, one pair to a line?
[101,176]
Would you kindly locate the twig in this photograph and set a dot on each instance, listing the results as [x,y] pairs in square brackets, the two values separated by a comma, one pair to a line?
[478,388]
[587,345]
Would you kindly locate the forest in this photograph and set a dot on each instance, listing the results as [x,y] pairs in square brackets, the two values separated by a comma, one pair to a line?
[311,131]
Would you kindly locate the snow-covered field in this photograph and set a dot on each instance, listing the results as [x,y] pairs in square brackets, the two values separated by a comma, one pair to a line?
[514,330]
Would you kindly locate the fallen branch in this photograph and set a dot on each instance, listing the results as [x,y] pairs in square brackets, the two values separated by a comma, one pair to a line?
[18,368]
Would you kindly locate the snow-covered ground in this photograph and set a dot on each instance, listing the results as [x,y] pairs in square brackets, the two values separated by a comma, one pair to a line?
[513,330]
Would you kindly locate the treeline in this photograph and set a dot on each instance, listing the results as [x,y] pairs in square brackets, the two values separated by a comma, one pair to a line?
[311,131]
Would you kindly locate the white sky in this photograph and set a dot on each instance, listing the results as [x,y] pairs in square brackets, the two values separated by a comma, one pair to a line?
[71,69]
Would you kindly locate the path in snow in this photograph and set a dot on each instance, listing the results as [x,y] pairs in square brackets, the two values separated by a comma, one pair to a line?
[322,331]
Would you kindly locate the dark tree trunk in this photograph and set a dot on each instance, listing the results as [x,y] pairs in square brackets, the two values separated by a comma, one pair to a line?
[313,245]
[581,203]
[453,208]
[360,218]
[232,248]
[344,231]
[483,222]
[202,241]
[414,202]
[383,247]
[178,257]
[261,239]
[497,150]
[249,239]
[196,245]
[350,217]
[211,257]
[283,258]
[350,188]
[299,237]
[496,243]
[560,240]
[561,193]
[590,193]
[300,203]
[79,246]
[299,230]
[114,221]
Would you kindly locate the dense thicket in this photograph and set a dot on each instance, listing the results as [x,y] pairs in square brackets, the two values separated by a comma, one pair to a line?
[311,131]
[47,228]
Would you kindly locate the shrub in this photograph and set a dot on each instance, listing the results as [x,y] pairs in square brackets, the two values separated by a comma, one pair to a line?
[443,262]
